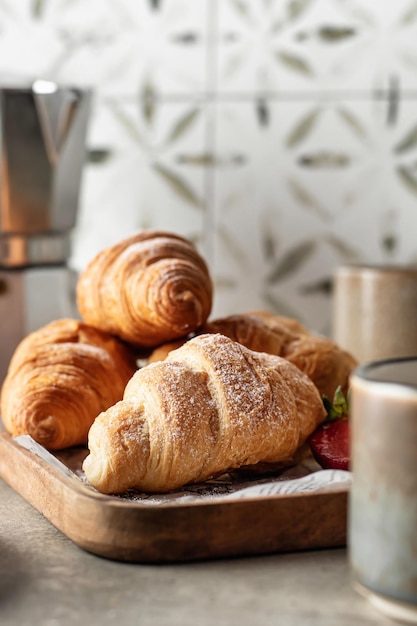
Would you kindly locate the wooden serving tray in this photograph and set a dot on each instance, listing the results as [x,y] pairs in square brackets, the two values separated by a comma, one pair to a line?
[131,529]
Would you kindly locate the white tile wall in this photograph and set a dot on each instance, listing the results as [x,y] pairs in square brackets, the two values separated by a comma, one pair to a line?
[279,135]
[151,176]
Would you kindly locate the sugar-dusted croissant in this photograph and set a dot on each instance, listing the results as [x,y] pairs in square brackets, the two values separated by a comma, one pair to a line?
[211,406]
[321,359]
[147,289]
[60,378]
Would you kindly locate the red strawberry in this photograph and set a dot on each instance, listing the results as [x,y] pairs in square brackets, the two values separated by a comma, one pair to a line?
[329,443]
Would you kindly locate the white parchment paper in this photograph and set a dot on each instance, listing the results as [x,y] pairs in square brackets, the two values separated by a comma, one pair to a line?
[303,478]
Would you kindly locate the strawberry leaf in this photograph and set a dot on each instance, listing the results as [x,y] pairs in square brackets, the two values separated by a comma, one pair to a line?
[339,407]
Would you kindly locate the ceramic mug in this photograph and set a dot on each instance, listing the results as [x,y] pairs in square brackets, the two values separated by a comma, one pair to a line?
[382,525]
[375,311]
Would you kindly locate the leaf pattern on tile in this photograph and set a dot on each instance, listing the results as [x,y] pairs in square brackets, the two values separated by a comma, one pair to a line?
[262,37]
[182,125]
[295,258]
[294,63]
[279,305]
[269,244]
[241,7]
[179,186]
[155,4]
[199,160]
[327,35]
[324,159]
[187,39]
[410,15]
[148,101]
[207,160]
[99,155]
[335,34]
[230,243]
[262,112]
[389,238]
[343,247]
[303,128]
[143,132]
[129,125]
[306,199]
[320,287]
[408,142]
[352,122]
[38,7]
[296,8]
[389,242]
[407,178]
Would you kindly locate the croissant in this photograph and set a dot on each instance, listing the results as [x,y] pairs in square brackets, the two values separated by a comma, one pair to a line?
[288,324]
[60,378]
[211,406]
[147,289]
[328,365]
[324,361]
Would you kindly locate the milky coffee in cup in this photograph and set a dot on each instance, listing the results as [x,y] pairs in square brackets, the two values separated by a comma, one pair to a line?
[382,528]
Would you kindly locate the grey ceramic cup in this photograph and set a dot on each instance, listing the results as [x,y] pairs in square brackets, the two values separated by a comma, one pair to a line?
[382,528]
[375,311]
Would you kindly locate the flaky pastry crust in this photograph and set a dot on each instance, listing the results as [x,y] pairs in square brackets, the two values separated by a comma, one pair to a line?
[147,289]
[328,365]
[60,378]
[211,406]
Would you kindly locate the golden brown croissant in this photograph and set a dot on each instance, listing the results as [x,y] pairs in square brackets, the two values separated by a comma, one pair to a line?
[246,329]
[288,324]
[326,363]
[211,406]
[60,378]
[147,289]
[321,359]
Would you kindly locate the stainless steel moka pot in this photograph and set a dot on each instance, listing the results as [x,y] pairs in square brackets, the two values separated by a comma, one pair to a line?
[43,132]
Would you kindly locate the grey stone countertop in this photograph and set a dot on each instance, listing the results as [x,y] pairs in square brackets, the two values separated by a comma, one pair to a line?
[46,580]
